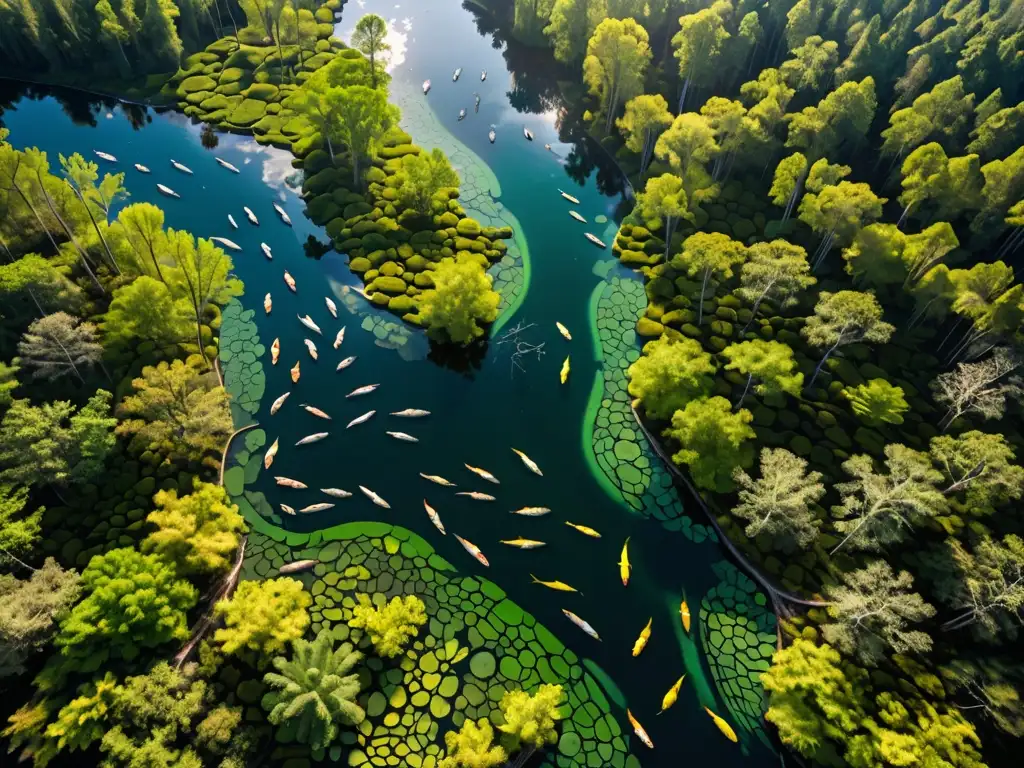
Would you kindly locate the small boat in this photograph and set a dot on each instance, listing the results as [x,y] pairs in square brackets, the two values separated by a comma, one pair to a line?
[569,197]
[315,411]
[332,308]
[437,479]
[232,222]
[141,168]
[374,497]
[226,164]
[307,321]
[527,133]
[483,75]
[276,405]
[275,351]
[251,215]
[287,482]
[641,642]
[521,543]
[360,419]
[167,191]
[316,437]
[180,167]
[558,586]
[426,87]
[290,281]
[684,614]
[283,214]
[410,413]
[266,251]
[530,463]
[362,390]
[476,495]
[563,375]
[268,303]
[105,156]
[434,517]
[624,566]
[476,104]
[311,347]
[268,457]
[473,549]
[723,726]
[585,530]
[346,363]
[564,331]
[456,73]
[295,372]
[287,510]
[337,493]
[581,624]
[577,217]
[320,507]
[672,694]
[547,147]
[297,566]
[462,114]
[404,437]
[639,729]
[596,241]
[492,135]
[340,337]
[484,474]
[227,243]
[531,511]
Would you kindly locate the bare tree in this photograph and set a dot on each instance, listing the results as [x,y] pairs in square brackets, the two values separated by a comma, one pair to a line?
[980,387]
[57,345]
[521,349]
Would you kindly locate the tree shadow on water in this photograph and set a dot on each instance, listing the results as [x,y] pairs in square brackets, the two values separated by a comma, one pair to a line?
[465,360]
[314,249]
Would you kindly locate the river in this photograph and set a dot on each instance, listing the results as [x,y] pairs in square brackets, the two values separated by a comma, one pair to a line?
[481,406]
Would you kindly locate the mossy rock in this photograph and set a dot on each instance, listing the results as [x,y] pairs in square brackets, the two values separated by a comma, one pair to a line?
[800,445]
[384,284]
[788,420]
[216,102]
[468,227]
[357,209]
[322,209]
[195,84]
[195,99]
[721,328]
[839,437]
[649,328]
[717,343]
[742,229]
[359,264]
[724,312]
[869,440]
[247,113]
[229,89]
[764,417]
[246,57]
[691,330]
[261,91]
[638,259]
[825,420]
[718,212]
[870,371]
[401,304]
[230,75]
[322,181]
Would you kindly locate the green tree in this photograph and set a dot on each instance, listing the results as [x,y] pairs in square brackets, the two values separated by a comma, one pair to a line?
[687,146]
[462,297]
[531,719]
[571,25]
[82,175]
[369,38]
[529,17]
[663,203]
[59,345]
[878,509]
[422,176]
[996,135]
[989,590]
[708,254]
[8,383]
[82,720]
[262,617]
[777,271]
[873,612]
[30,610]
[390,625]
[875,257]
[145,310]
[976,388]
[670,373]
[780,503]
[132,602]
[943,113]
[197,532]
[314,692]
[616,64]
[842,318]
[713,441]
[770,362]
[43,283]
[877,402]
[644,120]
[945,187]
[140,239]
[310,101]
[837,213]
[699,46]
[787,182]
[980,466]
[472,746]
[992,686]
[360,116]
[813,60]
[840,119]
[19,533]
[863,55]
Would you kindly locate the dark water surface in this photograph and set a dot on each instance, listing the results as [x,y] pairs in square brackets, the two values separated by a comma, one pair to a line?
[479,411]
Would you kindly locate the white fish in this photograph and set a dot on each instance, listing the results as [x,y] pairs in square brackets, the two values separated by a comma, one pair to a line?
[315,411]
[167,191]
[331,307]
[437,479]
[287,482]
[581,624]
[531,511]
[308,322]
[266,251]
[362,390]
[227,243]
[276,406]
[483,75]
[289,281]
[288,510]
[283,214]
[404,436]
[341,334]
[346,363]
[311,347]
[456,73]
[484,474]
[599,243]
[226,164]
[141,168]
[314,438]
[268,458]
[473,549]
[411,413]
[317,507]
[360,419]
[268,304]
[434,518]
[476,495]
[530,463]
[297,566]
[182,168]
[232,222]
[251,215]
[337,493]
[492,135]
[462,114]
[105,156]
[375,498]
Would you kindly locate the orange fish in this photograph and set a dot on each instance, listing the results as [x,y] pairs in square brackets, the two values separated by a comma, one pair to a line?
[639,730]
[296,373]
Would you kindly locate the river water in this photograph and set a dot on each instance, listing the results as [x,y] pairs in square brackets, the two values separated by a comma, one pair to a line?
[481,407]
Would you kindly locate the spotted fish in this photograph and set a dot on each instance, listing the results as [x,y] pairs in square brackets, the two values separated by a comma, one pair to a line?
[287,510]
[531,511]
[339,338]
[362,390]
[484,474]
[287,482]
[296,372]
[337,493]
[476,495]
[275,351]
[314,438]
[307,321]
[315,411]
[434,517]
[530,463]
[564,331]
[311,347]
[521,543]
[317,507]
[268,303]
[473,549]
[276,405]
[437,479]
[639,731]
[410,413]
[345,363]
[268,458]
[581,624]
[331,306]
[374,497]
[360,419]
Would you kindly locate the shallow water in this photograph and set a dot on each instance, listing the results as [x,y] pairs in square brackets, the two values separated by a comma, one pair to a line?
[480,410]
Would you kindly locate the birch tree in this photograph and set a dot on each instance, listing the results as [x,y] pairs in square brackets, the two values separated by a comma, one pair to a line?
[777,271]
[644,120]
[709,254]
[990,590]
[663,203]
[616,64]
[780,503]
[59,345]
[980,467]
[979,388]
[842,318]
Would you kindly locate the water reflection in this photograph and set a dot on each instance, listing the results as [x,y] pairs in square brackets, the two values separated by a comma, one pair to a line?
[81,108]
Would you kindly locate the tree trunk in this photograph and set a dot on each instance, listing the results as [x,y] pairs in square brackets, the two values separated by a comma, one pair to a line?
[703,289]
[757,306]
[818,369]
[35,212]
[670,229]
[96,226]
[70,234]
[373,70]
[903,217]
[18,561]
[750,378]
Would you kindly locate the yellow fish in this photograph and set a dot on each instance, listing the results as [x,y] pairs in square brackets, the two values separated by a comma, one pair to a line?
[585,530]
[645,635]
[723,726]
[672,695]
[624,566]
[684,614]
[564,331]
[560,586]
[521,543]
[639,730]
[564,375]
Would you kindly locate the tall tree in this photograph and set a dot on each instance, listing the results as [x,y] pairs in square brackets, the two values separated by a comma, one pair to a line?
[145,310]
[996,135]
[462,297]
[687,146]
[262,617]
[990,590]
[776,271]
[708,254]
[19,533]
[980,387]
[645,119]
[814,59]
[837,213]
[571,25]
[370,38]
[616,64]
[663,203]
[699,46]
[787,181]
[713,441]
[842,318]
[29,612]
[946,187]
[942,113]
[59,345]
[770,362]
[877,402]
[670,373]
[779,504]
[979,466]
[81,175]
[391,625]
[362,116]
[141,227]
[422,176]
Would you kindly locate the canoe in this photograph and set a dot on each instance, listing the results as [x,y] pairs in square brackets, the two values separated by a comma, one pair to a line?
[226,164]
[426,87]
[456,73]
[569,197]
[167,191]
[180,167]
[231,221]
[577,217]
[527,133]
[251,215]
[491,135]
[284,216]
[105,156]
[227,243]
[141,168]
[483,75]
[266,250]
[594,240]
